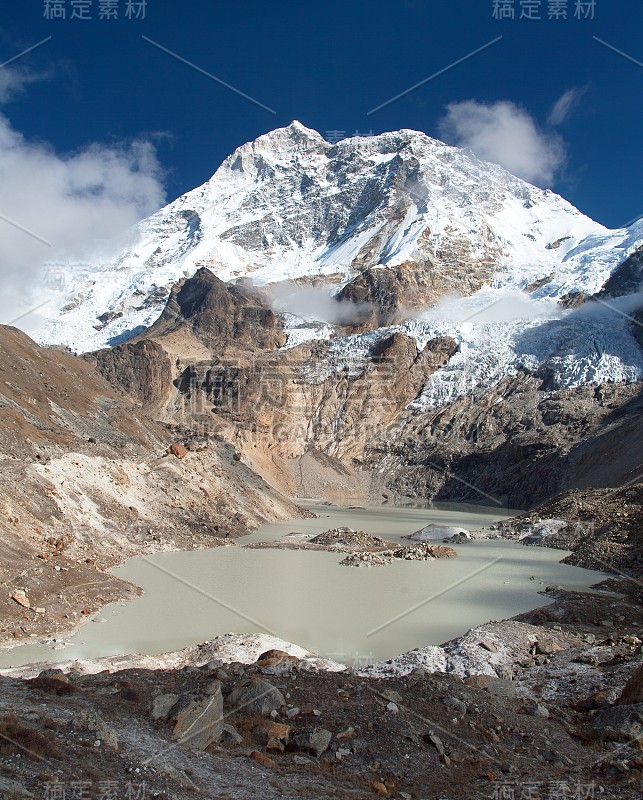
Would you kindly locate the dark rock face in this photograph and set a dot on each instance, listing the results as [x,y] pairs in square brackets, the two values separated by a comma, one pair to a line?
[376,293]
[218,314]
[515,445]
[222,318]
[383,295]
[142,369]
[626,279]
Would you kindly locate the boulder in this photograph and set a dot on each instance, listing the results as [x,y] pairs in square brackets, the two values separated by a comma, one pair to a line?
[256,696]
[633,691]
[177,450]
[276,662]
[314,741]
[619,723]
[162,704]
[546,646]
[53,681]
[269,730]
[535,709]
[197,719]
[230,735]
[94,723]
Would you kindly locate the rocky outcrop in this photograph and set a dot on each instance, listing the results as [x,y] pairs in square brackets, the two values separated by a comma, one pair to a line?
[218,314]
[142,369]
[515,445]
[627,279]
[602,528]
[417,552]
[295,400]
[387,295]
[283,401]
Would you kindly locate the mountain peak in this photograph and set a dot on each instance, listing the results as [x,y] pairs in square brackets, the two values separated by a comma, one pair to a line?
[292,206]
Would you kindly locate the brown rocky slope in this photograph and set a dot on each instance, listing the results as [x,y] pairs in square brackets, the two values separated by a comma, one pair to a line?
[88,480]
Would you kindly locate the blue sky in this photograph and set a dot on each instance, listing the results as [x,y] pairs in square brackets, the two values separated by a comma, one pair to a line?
[98,82]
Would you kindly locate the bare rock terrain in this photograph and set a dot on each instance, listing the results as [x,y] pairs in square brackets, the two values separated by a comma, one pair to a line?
[87,480]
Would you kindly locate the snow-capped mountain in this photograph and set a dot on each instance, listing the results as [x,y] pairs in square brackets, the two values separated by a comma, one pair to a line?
[290,205]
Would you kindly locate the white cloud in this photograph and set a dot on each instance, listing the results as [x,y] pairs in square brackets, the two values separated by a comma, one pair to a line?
[317,305]
[14,81]
[81,204]
[504,305]
[506,134]
[564,106]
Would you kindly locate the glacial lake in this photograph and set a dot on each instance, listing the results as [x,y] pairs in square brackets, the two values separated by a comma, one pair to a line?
[305,597]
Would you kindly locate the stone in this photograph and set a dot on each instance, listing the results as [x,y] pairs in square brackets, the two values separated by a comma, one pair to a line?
[93,722]
[293,712]
[53,681]
[162,705]
[197,720]
[456,704]
[230,735]
[177,450]
[274,745]
[633,690]
[547,646]
[275,662]
[392,707]
[20,597]
[432,738]
[504,671]
[314,742]
[262,759]
[489,646]
[379,788]
[537,710]
[256,696]
[619,723]
[392,695]
[349,733]
[269,730]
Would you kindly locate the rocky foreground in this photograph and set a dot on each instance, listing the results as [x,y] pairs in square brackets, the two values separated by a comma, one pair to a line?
[552,700]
